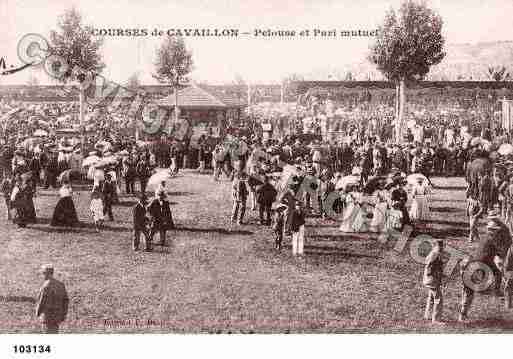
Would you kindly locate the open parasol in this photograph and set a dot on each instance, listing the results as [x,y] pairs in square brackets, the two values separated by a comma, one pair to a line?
[90,161]
[40,133]
[161,176]
[346,181]
[505,149]
[413,179]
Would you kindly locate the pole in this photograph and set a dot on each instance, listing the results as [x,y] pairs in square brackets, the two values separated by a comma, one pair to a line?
[249,95]
[81,117]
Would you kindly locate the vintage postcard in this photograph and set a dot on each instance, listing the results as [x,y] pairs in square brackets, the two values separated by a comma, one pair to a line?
[261,167]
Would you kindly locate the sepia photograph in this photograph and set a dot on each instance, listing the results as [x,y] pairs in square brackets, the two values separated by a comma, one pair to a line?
[266,167]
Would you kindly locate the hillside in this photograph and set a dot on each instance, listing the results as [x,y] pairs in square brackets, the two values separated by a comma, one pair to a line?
[462,62]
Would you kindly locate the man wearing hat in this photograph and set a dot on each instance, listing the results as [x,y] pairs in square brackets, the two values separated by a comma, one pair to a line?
[503,236]
[108,193]
[489,253]
[161,218]
[52,301]
[279,225]
[140,223]
[432,280]
[266,195]
[240,195]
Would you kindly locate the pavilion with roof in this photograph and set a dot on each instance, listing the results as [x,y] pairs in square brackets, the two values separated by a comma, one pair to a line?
[203,106]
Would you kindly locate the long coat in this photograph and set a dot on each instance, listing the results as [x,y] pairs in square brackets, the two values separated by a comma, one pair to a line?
[161,217]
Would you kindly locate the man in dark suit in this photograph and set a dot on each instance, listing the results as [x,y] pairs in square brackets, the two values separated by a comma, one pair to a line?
[266,195]
[143,172]
[161,217]
[140,224]
[109,193]
[52,301]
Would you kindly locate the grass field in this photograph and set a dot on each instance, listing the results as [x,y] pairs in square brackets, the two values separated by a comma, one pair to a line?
[220,277]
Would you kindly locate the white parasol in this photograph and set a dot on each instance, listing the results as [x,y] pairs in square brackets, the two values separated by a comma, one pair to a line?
[90,161]
[505,149]
[107,161]
[40,133]
[414,178]
[347,180]
[161,176]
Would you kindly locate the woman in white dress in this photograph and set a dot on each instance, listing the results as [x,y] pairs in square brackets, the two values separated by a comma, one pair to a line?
[419,210]
[379,214]
[96,207]
[353,217]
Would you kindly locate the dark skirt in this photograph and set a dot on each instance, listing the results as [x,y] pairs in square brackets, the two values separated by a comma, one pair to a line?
[65,214]
[30,211]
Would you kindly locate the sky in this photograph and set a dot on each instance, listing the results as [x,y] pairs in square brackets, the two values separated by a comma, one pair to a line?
[256,60]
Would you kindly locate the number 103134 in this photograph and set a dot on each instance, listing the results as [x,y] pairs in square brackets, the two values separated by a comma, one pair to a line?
[34,349]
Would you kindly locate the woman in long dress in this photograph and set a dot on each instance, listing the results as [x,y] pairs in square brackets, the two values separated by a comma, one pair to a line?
[65,214]
[353,217]
[419,210]
[96,208]
[29,190]
[379,213]
[19,204]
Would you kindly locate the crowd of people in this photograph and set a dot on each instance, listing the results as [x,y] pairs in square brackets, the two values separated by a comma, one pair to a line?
[347,169]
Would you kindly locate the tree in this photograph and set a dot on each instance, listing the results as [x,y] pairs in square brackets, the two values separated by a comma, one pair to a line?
[290,85]
[79,51]
[406,47]
[133,82]
[240,86]
[498,73]
[173,63]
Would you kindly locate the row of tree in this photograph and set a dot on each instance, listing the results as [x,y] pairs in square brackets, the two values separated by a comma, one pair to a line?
[409,43]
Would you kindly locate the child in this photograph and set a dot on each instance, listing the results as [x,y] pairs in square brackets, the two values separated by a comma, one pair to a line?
[278,225]
[297,226]
[140,223]
[474,211]
[432,280]
[96,207]
[395,218]
[7,186]
[507,271]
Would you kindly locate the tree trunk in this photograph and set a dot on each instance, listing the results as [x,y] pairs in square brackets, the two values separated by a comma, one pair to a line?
[402,102]
[396,114]
[249,95]
[136,130]
[81,118]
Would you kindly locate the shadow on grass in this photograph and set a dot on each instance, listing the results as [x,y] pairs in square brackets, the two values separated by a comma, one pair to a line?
[16,299]
[444,233]
[451,188]
[340,237]
[126,204]
[449,223]
[446,209]
[447,200]
[81,227]
[214,230]
[180,193]
[490,323]
[318,251]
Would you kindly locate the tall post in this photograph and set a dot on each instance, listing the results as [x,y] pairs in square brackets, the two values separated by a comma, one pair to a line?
[249,95]
[402,99]
[81,116]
